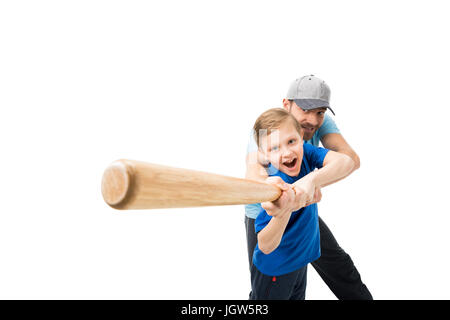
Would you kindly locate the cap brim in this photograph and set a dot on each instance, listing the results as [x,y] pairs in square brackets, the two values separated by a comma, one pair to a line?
[310,104]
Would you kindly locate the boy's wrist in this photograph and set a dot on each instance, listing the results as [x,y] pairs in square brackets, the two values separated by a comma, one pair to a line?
[285,214]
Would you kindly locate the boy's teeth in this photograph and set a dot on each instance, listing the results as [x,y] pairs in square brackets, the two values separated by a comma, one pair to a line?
[289,163]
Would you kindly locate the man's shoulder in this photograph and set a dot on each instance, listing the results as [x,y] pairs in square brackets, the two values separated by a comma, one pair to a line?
[328,118]
[328,126]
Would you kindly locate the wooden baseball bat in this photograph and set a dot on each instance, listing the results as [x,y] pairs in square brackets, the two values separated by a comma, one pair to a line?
[129,184]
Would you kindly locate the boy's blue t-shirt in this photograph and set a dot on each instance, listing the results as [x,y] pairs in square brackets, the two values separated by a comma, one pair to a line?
[300,243]
[328,126]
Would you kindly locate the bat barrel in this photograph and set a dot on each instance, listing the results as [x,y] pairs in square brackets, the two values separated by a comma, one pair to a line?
[130,184]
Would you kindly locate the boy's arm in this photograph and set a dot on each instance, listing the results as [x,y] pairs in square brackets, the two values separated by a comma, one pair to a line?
[270,237]
[336,166]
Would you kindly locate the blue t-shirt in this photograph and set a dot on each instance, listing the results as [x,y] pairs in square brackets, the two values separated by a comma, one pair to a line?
[300,243]
[328,126]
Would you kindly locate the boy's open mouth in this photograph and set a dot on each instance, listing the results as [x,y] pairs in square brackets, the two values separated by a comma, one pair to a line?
[290,164]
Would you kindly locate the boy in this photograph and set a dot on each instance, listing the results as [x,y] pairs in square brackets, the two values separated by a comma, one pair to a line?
[288,237]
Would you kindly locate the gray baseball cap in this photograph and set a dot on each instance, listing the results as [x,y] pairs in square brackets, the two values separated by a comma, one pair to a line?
[310,92]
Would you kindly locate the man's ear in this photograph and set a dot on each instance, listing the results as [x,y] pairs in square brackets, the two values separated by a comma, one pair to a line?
[287,105]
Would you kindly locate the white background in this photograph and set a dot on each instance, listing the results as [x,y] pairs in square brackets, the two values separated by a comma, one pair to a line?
[180,83]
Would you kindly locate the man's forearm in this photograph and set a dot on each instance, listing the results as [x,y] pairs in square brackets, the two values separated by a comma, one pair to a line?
[255,171]
[337,169]
[336,142]
[337,180]
[341,178]
[356,164]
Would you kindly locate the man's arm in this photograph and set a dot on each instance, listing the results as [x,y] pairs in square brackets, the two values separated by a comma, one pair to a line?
[336,166]
[336,142]
[255,170]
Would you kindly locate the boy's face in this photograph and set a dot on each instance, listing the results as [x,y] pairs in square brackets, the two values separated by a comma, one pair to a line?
[283,148]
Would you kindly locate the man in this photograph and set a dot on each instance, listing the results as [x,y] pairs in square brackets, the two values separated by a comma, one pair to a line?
[308,100]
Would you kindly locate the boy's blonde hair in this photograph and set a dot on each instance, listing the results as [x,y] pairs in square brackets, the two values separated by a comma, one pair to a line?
[272,120]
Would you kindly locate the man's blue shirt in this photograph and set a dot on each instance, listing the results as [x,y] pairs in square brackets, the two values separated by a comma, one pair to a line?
[300,243]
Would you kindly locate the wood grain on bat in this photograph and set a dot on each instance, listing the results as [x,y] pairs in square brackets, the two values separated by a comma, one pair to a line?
[130,184]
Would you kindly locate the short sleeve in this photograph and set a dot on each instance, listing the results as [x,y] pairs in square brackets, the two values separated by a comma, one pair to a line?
[314,155]
[328,126]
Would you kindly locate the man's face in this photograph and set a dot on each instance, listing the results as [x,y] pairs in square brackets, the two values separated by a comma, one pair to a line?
[283,148]
[310,120]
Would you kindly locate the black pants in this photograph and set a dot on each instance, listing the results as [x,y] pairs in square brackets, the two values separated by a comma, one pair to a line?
[291,286]
[334,265]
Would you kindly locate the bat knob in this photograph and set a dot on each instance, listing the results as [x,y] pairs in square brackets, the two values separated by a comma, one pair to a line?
[115,183]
